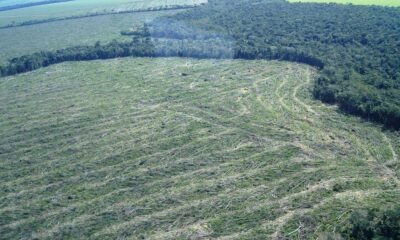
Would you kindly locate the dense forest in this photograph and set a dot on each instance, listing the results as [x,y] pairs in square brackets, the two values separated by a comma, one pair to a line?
[357,48]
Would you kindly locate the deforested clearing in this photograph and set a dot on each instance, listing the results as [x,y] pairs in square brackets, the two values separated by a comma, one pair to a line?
[85,7]
[175,148]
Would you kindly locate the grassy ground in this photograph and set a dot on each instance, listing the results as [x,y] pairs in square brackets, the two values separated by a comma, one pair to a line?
[389,3]
[181,148]
[19,41]
[81,7]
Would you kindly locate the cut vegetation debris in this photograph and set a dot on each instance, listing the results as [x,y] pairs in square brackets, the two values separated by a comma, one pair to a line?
[173,148]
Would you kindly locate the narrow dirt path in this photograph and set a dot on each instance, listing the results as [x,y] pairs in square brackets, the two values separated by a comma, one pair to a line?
[280,96]
[374,164]
[386,169]
[390,145]
[300,102]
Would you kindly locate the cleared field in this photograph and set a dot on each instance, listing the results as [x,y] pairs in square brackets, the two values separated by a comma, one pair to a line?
[81,7]
[13,2]
[389,3]
[30,4]
[180,149]
[19,41]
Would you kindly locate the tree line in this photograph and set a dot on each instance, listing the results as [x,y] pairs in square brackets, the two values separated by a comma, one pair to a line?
[114,49]
[150,47]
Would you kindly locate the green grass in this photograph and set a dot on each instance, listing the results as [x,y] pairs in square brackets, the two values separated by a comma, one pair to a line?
[19,41]
[389,3]
[81,7]
[181,148]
